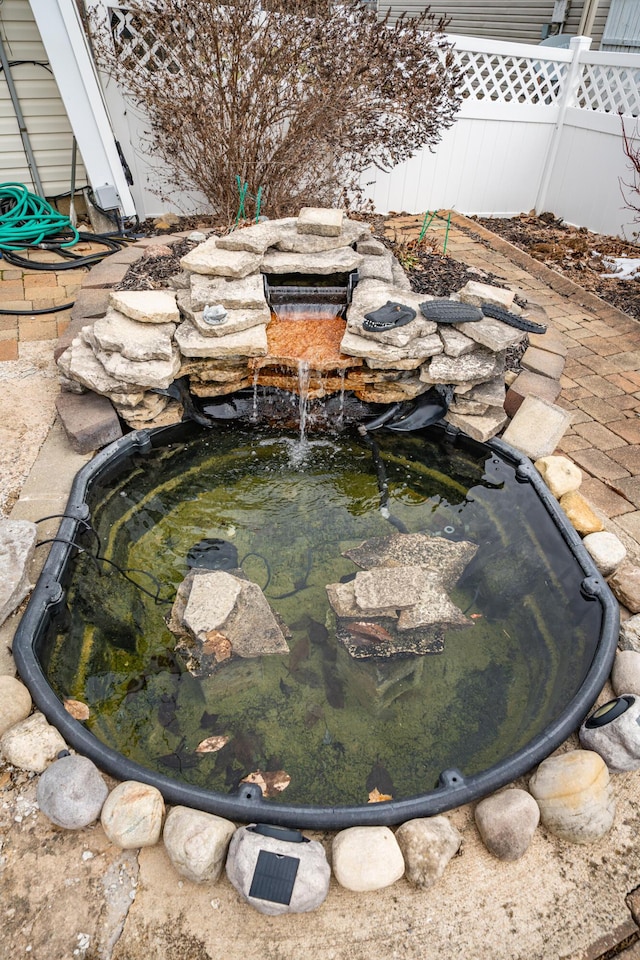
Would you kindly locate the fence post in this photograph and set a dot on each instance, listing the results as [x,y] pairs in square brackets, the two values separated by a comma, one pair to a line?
[568,99]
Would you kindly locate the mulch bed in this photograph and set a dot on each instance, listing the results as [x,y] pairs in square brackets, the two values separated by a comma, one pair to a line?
[575,252]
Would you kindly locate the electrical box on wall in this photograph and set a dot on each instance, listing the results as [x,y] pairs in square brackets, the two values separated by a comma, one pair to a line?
[107,197]
[560,11]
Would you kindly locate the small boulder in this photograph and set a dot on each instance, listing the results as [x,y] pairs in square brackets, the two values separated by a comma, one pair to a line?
[71,792]
[146,306]
[560,474]
[625,583]
[32,744]
[427,845]
[581,516]
[625,675]
[320,221]
[301,888]
[15,702]
[367,858]
[617,740]
[606,550]
[630,634]
[132,815]
[17,545]
[574,794]
[197,842]
[507,822]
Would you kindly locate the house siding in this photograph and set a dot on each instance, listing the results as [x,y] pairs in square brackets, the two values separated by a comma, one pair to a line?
[519,20]
[44,113]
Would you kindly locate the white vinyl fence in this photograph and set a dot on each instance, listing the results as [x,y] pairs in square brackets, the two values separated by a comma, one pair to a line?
[539,127]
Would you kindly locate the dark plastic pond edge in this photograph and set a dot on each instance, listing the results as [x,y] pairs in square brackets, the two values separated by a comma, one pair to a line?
[247,804]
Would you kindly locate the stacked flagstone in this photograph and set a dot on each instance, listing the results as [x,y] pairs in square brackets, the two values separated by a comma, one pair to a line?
[149,339]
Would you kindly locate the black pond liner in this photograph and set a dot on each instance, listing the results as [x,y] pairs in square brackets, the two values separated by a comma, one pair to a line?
[247,804]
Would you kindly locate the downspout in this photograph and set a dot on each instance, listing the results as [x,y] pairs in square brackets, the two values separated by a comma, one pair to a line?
[588,17]
[26,142]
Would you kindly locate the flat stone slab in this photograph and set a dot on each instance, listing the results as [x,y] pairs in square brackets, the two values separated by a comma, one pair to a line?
[376,268]
[471,368]
[17,546]
[493,334]
[456,344]
[257,238]
[419,348]
[80,363]
[89,420]
[382,587]
[320,221]
[245,343]
[479,293]
[147,374]
[478,427]
[244,294]
[133,339]
[146,306]
[236,321]
[291,241]
[537,428]
[215,261]
[446,558]
[342,260]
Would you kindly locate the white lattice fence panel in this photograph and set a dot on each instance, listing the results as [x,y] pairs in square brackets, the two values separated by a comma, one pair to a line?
[609,89]
[510,79]
[132,39]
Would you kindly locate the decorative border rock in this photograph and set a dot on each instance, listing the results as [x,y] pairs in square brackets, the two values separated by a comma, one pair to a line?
[367,858]
[15,702]
[197,843]
[574,794]
[71,792]
[625,676]
[427,845]
[618,740]
[606,550]
[32,744]
[17,546]
[507,822]
[560,474]
[132,815]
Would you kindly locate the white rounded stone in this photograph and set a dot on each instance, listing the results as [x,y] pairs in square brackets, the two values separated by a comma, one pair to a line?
[606,550]
[32,744]
[367,858]
[132,815]
[630,634]
[197,842]
[427,845]
[71,792]
[625,675]
[507,822]
[560,474]
[574,794]
[15,702]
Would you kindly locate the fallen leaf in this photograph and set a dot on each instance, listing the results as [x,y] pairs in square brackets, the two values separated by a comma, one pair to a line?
[270,782]
[376,797]
[212,744]
[475,616]
[5,778]
[217,645]
[77,709]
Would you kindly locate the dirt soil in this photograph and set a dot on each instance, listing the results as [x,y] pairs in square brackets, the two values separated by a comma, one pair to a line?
[575,252]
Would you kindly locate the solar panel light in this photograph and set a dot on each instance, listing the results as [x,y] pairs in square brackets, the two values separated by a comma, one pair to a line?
[275,874]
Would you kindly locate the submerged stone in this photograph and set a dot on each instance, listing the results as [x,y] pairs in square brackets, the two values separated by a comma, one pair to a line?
[446,558]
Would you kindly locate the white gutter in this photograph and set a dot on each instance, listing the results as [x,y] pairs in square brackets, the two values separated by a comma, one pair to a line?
[74,70]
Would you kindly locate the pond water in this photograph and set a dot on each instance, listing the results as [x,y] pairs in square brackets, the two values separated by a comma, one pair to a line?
[338,727]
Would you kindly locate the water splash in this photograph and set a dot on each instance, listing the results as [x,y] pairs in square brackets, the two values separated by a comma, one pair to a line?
[305,311]
[254,407]
[304,378]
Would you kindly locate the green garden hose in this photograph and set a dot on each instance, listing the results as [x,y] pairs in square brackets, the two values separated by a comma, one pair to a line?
[27,220]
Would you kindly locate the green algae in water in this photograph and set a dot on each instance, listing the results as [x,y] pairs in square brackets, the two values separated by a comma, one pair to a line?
[334,724]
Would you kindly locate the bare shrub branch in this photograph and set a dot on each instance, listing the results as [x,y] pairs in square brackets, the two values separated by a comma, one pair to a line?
[297,97]
[631,147]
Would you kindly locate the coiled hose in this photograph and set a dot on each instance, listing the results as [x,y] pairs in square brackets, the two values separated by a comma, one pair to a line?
[27,221]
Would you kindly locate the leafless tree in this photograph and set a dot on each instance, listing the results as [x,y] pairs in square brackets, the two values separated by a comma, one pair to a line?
[631,191]
[298,98]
